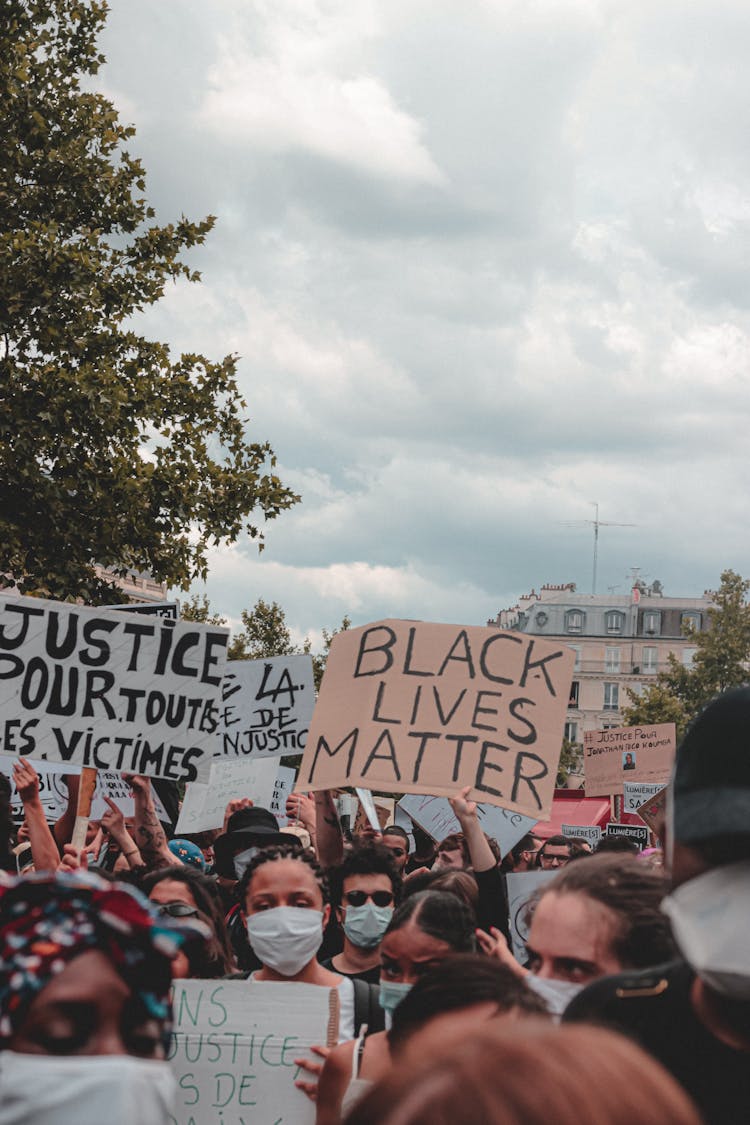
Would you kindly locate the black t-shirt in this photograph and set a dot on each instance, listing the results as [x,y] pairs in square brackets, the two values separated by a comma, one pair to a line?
[371,976]
[653,1007]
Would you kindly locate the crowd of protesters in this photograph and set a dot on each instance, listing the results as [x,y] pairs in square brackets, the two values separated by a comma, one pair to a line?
[630,1004]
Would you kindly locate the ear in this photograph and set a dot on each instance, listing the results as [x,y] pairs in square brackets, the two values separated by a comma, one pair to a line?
[340,915]
[326,914]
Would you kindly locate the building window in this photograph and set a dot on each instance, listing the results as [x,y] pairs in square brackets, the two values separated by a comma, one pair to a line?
[577,651]
[573,697]
[690,623]
[574,621]
[614,621]
[611,697]
[612,660]
[652,623]
[688,656]
[571,732]
[650,659]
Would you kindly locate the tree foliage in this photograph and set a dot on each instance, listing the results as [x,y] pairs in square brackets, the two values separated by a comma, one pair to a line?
[721,661]
[110,450]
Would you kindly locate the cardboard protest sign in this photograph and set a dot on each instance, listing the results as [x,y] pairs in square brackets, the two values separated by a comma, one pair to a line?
[53,792]
[653,812]
[612,757]
[635,832]
[423,708]
[234,1045]
[266,707]
[521,887]
[635,794]
[110,690]
[286,778]
[435,817]
[205,802]
[590,832]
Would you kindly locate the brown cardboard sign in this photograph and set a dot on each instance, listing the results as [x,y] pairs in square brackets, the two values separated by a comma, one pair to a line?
[654,812]
[612,757]
[412,707]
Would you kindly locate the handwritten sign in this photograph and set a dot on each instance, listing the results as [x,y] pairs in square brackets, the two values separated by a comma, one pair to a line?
[521,888]
[590,832]
[435,817]
[612,757]
[205,802]
[53,792]
[266,706]
[422,708]
[234,1046]
[636,793]
[286,778]
[635,832]
[653,812]
[117,691]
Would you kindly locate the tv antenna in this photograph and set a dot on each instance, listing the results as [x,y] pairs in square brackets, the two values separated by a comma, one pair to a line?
[596,523]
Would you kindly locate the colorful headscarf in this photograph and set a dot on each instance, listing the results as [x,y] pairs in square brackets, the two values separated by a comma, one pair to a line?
[48,920]
[187,852]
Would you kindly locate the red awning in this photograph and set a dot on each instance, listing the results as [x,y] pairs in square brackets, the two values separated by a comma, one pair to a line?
[570,806]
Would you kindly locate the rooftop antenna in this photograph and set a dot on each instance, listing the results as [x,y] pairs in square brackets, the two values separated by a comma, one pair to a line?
[596,523]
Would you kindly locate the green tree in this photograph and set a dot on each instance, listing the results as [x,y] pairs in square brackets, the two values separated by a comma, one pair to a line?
[721,660]
[199,609]
[571,757]
[110,450]
[320,659]
[265,633]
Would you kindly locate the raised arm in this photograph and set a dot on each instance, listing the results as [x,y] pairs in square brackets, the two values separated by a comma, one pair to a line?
[43,847]
[150,838]
[328,836]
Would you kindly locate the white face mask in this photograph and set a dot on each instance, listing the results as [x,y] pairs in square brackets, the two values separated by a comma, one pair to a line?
[286,938]
[556,994]
[710,917]
[84,1090]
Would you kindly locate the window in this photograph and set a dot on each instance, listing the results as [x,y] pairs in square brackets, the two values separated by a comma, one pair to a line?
[652,623]
[614,621]
[611,697]
[574,621]
[650,659]
[612,660]
[573,697]
[688,655]
[577,651]
[690,622]
[571,732]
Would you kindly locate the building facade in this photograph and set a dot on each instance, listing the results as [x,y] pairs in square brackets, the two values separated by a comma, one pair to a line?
[620,642]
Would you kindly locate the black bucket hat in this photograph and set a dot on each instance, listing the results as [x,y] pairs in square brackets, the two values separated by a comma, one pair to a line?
[246,828]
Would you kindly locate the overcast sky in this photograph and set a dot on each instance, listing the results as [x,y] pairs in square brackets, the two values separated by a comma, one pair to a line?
[484,263]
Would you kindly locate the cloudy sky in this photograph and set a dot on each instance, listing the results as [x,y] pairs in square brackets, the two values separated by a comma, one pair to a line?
[485,262]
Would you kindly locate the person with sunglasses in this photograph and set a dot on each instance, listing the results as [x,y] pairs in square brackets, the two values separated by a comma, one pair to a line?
[364,890]
[183,894]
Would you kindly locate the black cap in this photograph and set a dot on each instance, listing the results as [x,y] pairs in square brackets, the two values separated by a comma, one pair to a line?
[245,828]
[712,771]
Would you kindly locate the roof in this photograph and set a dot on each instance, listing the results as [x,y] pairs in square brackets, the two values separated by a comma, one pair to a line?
[571,806]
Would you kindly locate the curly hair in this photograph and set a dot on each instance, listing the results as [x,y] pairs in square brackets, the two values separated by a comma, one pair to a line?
[284,851]
[364,859]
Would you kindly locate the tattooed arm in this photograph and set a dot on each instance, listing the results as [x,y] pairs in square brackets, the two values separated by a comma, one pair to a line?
[329,839]
[150,837]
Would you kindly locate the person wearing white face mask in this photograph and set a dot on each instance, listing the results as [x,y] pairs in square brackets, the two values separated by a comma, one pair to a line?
[364,890]
[599,915]
[693,1015]
[85,971]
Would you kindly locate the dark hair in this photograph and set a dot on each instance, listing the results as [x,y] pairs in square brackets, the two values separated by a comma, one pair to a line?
[364,859]
[284,851]
[460,982]
[209,959]
[525,844]
[618,844]
[454,841]
[397,830]
[462,884]
[556,840]
[441,915]
[633,891]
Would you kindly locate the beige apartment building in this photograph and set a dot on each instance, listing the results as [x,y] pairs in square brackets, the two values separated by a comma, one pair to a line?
[620,642]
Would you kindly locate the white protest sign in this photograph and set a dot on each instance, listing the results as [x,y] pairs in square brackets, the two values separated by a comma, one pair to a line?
[283,788]
[435,816]
[521,887]
[266,707]
[590,832]
[116,691]
[204,803]
[636,793]
[53,792]
[234,1045]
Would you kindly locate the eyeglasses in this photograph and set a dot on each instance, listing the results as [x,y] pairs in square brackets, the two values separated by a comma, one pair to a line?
[177,909]
[359,898]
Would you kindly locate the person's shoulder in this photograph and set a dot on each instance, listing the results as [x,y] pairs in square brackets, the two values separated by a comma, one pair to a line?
[667,983]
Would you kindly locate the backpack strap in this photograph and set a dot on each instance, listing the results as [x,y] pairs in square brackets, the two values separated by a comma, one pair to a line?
[367,1009]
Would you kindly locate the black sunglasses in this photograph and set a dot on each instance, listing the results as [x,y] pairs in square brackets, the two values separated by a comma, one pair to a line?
[177,909]
[359,898]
